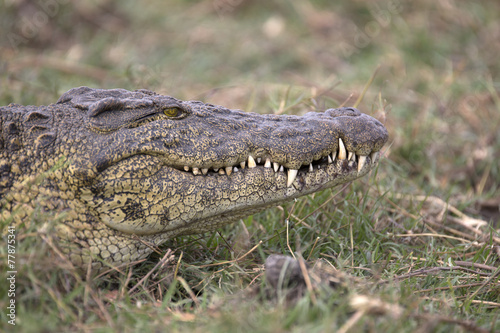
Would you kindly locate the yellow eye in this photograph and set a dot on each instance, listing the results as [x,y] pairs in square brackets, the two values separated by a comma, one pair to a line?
[171,112]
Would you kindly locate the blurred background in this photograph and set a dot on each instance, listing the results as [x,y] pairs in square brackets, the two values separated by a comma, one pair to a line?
[436,66]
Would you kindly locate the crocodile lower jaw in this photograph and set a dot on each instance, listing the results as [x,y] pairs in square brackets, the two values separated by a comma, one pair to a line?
[340,154]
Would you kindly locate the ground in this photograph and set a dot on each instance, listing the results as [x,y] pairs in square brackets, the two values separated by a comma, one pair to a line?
[417,241]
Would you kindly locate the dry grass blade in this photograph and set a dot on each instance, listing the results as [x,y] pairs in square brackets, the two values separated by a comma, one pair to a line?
[234,260]
[434,235]
[374,306]
[307,280]
[356,317]
[465,221]
[367,85]
[61,65]
[166,258]
[189,290]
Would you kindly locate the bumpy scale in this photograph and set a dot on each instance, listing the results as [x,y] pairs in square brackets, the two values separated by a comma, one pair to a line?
[120,170]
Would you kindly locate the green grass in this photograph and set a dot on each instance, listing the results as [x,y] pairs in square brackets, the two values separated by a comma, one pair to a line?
[406,262]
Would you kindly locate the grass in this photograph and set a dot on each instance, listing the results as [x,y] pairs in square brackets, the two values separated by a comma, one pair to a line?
[416,242]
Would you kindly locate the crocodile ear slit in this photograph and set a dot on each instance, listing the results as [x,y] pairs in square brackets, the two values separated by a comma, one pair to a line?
[112,113]
[104,105]
[114,104]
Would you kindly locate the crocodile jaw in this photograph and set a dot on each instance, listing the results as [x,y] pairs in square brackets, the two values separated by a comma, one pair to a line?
[172,201]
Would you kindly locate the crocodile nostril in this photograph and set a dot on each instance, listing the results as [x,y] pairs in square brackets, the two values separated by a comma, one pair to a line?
[343,112]
[351,109]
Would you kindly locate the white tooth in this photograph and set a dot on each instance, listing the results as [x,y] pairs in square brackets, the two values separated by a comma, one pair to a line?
[311,167]
[334,156]
[268,163]
[349,155]
[196,171]
[276,166]
[235,169]
[204,171]
[330,159]
[216,169]
[229,170]
[281,168]
[291,176]
[221,172]
[242,165]
[259,160]
[186,168]
[374,156]
[251,162]
[342,152]
[361,162]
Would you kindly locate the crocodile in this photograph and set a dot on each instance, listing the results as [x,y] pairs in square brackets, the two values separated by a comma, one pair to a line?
[123,171]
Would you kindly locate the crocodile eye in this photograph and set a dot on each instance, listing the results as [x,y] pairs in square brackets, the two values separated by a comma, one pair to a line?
[171,112]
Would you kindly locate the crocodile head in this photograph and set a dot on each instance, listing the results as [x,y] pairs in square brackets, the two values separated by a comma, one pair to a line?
[144,167]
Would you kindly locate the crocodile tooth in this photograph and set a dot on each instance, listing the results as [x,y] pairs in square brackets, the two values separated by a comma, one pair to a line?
[374,156]
[216,169]
[342,151]
[334,156]
[229,170]
[186,168]
[242,165]
[361,162]
[276,166]
[311,167]
[268,163]
[251,162]
[281,168]
[196,171]
[349,155]
[330,161]
[204,171]
[235,169]
[292,173]
[221,172]
[259,160]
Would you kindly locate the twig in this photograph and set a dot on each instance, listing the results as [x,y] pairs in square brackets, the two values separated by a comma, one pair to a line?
[469,285]
[473,264]
[426,271]
[470,223]
[493,276]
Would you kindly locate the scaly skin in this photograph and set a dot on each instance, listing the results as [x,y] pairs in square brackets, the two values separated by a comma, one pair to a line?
[122,170]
